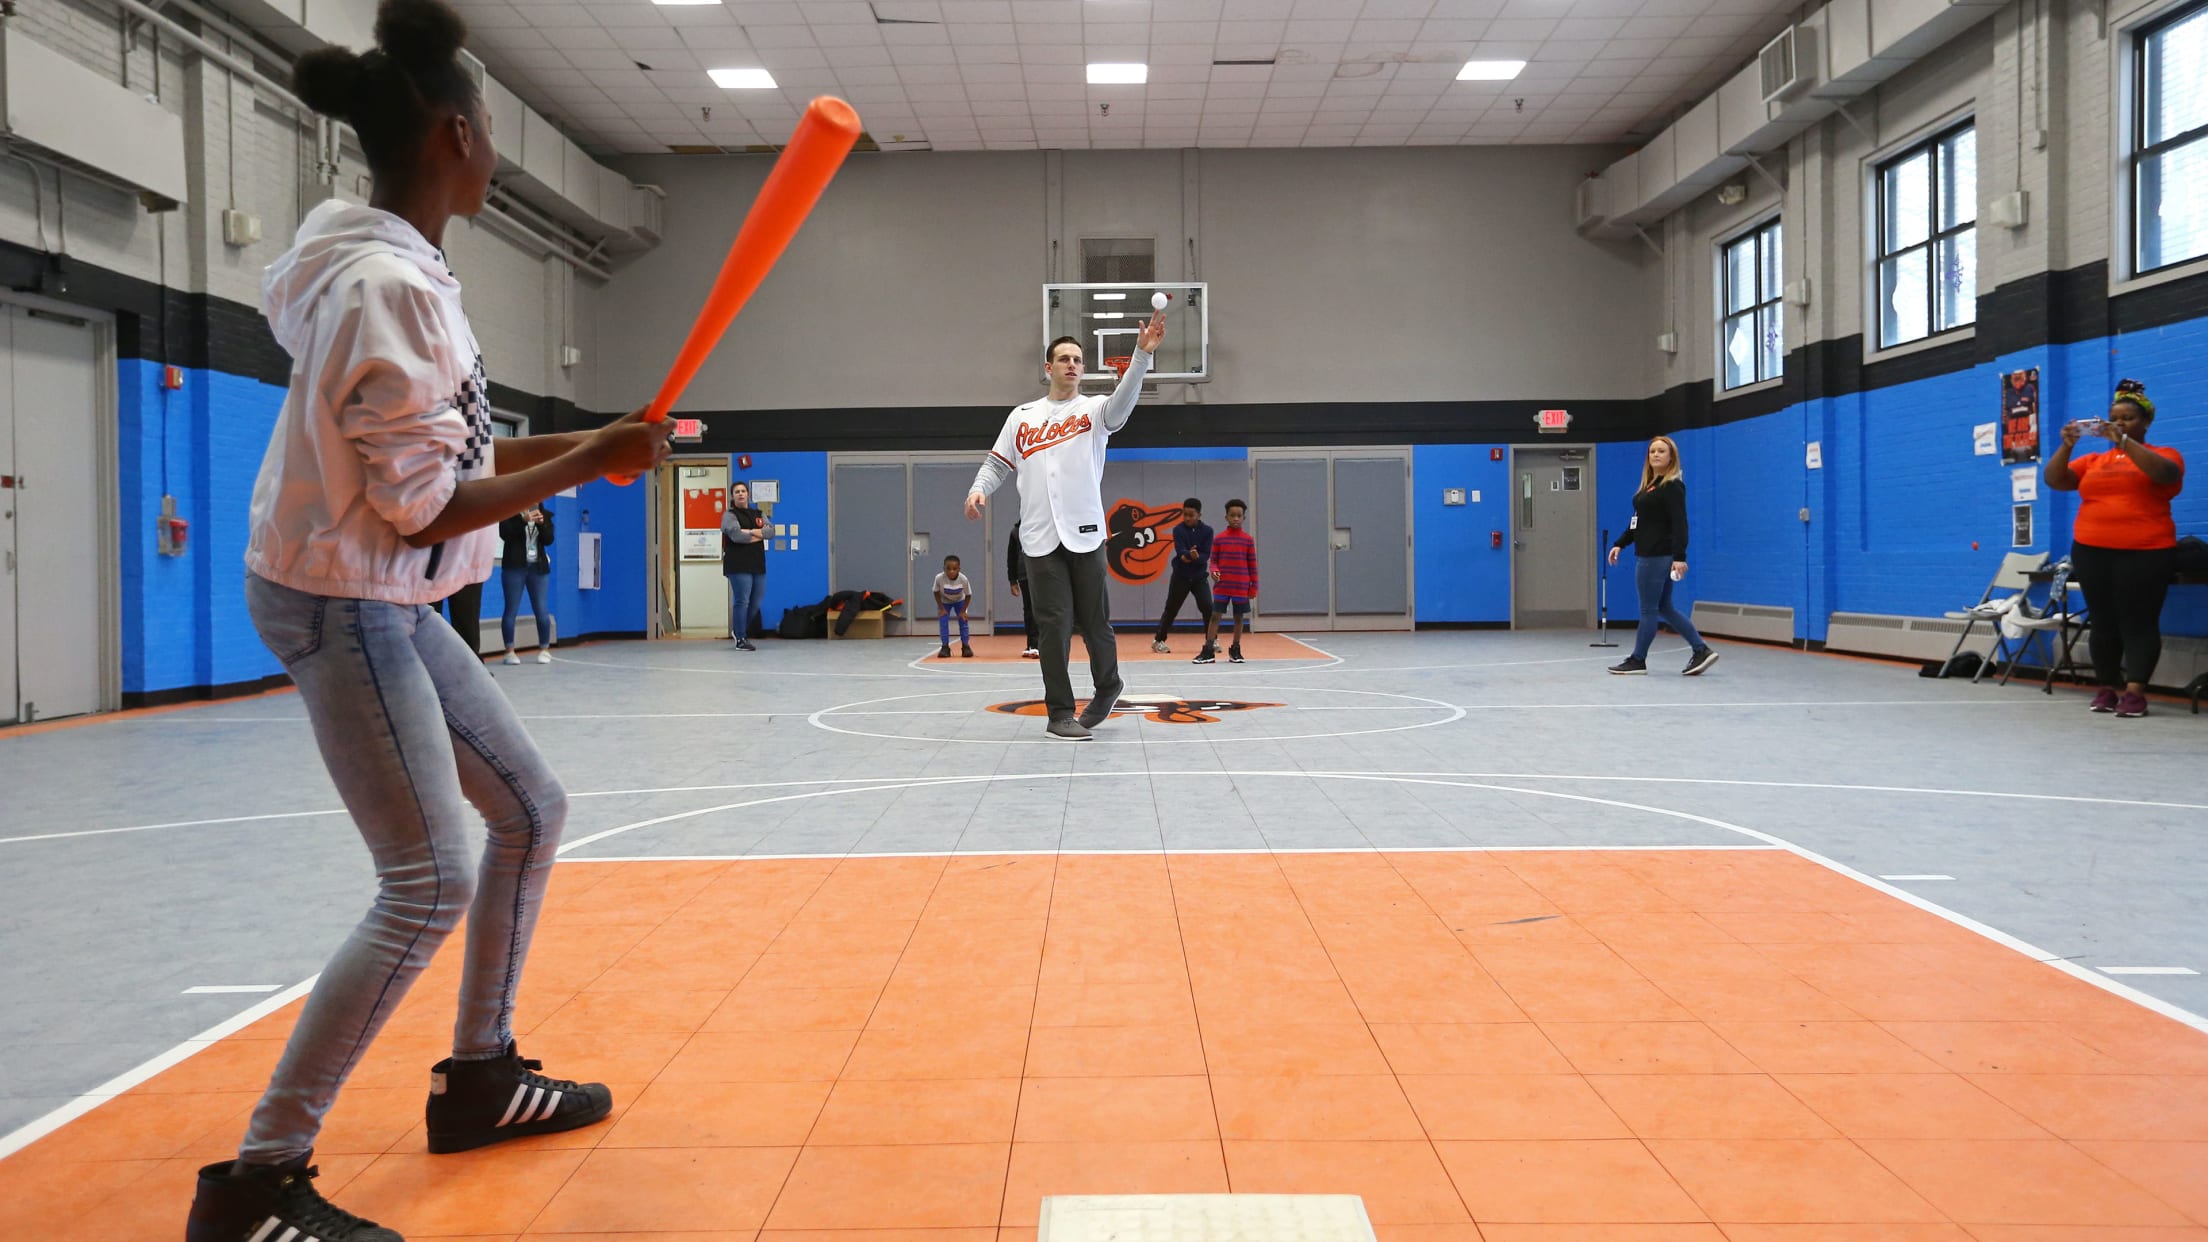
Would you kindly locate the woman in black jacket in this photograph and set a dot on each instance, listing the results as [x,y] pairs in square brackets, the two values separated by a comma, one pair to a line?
[744,538]
[527,566]
[1658,534]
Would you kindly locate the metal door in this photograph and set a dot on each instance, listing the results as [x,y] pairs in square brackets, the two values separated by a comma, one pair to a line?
[1292,523]
[1372,541]
[868,538]
[1553,551]
[940,529]
[54,391]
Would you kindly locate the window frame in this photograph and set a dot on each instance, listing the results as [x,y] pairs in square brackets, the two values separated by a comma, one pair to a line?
[2131,52]
[1929,141]
[1774,298]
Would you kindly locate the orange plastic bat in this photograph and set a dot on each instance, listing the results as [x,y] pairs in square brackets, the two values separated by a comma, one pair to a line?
[816,150]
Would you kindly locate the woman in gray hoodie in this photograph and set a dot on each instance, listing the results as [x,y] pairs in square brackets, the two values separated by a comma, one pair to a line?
[379,495]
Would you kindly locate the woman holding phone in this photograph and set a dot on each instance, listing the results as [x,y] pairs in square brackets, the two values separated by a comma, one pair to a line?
[1658,534]
[2122,541]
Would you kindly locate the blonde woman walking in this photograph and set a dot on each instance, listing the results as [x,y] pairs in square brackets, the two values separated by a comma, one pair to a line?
[1658,534]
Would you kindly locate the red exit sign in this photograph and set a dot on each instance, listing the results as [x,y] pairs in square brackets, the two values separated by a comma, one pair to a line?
[689,429]
[1553,420]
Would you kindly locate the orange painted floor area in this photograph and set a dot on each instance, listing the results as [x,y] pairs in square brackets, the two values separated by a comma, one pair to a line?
[1134,648]
[1687,1046]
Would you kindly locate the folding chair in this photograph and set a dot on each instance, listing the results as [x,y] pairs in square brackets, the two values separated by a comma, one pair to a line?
[2063,617]
[2002,596]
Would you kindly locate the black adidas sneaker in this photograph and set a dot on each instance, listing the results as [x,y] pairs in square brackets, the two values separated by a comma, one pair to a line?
[476,1103]
[267,1202]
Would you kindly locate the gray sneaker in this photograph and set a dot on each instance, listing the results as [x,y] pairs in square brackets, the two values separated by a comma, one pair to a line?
[1099,710]
[1067,729]
[1158,645]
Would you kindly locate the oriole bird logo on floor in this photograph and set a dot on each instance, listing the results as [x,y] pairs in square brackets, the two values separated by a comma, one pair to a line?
[1164,709]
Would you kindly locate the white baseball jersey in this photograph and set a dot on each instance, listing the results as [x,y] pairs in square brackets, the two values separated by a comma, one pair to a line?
[1056,450]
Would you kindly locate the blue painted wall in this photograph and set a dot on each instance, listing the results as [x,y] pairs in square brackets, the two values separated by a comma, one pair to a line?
[1905,518]
[1460,576]
[183,618]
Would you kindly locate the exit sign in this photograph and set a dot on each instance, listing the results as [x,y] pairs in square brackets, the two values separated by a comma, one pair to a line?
[689,429]
[1553,421]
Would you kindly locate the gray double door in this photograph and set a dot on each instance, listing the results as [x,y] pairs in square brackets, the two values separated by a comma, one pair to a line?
[55,634]
[1333,531]
[893,517]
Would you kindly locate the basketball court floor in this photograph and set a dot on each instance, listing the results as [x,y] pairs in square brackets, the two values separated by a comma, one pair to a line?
[1806,950]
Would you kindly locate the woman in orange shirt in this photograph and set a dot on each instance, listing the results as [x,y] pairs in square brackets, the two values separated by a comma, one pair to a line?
[2120,547]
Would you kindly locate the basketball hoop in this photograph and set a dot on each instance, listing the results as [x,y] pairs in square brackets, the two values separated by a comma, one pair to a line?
[1120,363]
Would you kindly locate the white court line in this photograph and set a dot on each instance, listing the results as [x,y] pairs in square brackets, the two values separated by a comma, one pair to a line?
[226,989]
[1925,876]
[1179,851]
[31,1132]
[83,1104]
[2097,979]
[2148,970]
[651,791]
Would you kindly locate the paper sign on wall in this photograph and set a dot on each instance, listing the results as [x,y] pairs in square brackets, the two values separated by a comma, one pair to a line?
[1985,439]
[1815,457]
[2023,485]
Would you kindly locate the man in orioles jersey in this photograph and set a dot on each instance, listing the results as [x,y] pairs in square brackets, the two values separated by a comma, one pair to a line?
[1055,447]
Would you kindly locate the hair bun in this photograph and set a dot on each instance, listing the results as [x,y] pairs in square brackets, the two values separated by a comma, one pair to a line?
[419,32]
[327,79]
[2130,385]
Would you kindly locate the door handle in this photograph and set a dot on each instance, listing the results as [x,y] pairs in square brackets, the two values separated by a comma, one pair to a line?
[1338,539]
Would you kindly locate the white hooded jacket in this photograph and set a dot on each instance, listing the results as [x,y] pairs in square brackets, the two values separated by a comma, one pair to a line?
[387,413]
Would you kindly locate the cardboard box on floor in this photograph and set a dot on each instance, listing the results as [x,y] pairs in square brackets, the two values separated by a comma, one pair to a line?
[868,624]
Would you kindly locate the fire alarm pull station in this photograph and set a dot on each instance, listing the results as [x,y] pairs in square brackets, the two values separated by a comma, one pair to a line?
[170,531]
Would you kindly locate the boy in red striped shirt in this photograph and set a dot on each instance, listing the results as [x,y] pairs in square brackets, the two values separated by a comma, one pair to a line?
[1234,574]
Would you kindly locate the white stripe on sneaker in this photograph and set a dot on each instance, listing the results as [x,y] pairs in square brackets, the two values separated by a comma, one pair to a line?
[536,1098]
[514,1105]
[268,1227]
[550,1106]
[289,1235]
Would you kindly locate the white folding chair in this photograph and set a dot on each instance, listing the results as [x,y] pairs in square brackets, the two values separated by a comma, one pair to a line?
[2003,595]
[2060,622]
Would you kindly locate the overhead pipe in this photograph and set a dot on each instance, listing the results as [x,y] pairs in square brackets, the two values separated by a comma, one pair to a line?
[191,40]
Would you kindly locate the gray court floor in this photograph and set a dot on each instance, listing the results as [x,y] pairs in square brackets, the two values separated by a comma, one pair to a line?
[148,854]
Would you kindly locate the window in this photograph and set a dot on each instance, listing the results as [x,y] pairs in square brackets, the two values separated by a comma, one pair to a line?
[2170,140]
[1752,331]
[1928,238]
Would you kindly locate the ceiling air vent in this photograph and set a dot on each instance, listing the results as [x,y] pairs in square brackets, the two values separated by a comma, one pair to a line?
[1778,67]
[693,148]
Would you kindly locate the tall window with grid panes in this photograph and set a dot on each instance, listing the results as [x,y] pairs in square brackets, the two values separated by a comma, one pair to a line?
[1751,326]
[1927,238]
[2169,140]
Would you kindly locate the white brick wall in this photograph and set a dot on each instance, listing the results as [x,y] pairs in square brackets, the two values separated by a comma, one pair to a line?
[245,153]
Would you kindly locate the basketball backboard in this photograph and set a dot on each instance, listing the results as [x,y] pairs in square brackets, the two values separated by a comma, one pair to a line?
[1106,317]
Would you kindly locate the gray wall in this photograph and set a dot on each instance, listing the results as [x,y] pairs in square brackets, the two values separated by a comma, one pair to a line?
[1336,275]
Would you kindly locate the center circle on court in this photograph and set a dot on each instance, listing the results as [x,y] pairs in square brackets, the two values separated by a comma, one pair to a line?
[1144,717]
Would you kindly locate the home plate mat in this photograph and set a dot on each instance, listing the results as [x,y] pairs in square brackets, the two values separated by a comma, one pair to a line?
[1205,1218]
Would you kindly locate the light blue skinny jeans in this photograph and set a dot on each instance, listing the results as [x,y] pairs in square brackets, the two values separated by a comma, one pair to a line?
[413,729]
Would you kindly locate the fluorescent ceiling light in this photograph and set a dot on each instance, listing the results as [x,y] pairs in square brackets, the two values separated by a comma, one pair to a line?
[1108,73]
[1109,297]
[1490,70]
[1107,314]
[742,79]
[686,1]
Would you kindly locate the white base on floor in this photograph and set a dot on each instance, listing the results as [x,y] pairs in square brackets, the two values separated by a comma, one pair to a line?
[1205,1218]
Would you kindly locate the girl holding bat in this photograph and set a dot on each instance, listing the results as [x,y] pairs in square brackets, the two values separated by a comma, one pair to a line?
[380,494]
